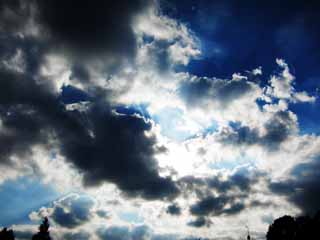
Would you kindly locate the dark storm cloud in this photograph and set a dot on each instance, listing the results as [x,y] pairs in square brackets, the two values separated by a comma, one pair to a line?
[216,205]
[22,126]
[200,222]
[120,152]
[174,209]
[72,212]
[92,28]
[13,15]
[32,49]
[217,196]
[262,204]
[235,181]
[80,73]
[240,181]
[198,92]
[30,113]
[277,129]
[303,189]
[103,145]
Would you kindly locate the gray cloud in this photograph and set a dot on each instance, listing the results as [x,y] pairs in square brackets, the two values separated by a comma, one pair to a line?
[31,112]
[200,222]
[215,205]
[114,233]
[303,188]
[239,181]
[201,90]
[23,126]
[278,128]
[174,209]
[217,196]
[72,212]
[116,144]
[13,15]
[88,30]
[103,214]
[81,235]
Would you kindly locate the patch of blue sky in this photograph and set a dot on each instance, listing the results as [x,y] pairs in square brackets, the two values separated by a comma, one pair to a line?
[231,164]
[20,197]
[308,116]
[171,123]
[176,127]
[236,41]
[205,131]
[130,217]
[70,94]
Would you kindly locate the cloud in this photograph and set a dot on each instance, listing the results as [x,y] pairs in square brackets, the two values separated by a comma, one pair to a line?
[124,233]
[19,116]
[77,236]
[213,205]
[88,30]
[62,79]
[205,91]
[302,186]
[181,43]
[70,212]
[13,15]
[103,214]
[119,151]
[279,127]
[174,209]
[281,86]
[219,195]
[239,181]
[200,222]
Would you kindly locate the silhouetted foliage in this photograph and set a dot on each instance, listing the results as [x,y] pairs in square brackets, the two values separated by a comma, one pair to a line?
[289,228]
[6,234]
[43,233]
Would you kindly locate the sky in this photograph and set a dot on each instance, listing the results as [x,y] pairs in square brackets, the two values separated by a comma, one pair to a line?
[158,119]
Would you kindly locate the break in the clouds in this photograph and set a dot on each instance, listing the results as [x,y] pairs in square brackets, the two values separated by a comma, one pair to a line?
[165,120]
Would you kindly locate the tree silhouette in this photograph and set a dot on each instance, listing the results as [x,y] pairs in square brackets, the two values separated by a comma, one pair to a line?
[282,229]
[300,228]
[6,234]
[43,233]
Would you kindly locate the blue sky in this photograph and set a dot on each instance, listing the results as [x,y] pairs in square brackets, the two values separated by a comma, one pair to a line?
[160,119]
[19,197]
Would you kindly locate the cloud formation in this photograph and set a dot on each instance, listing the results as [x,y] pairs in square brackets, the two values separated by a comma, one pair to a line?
[174,209]
[302,188]
[88,30]
[91,87]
